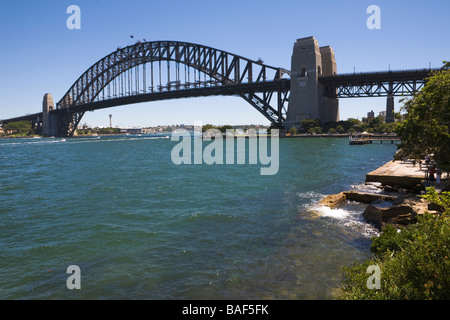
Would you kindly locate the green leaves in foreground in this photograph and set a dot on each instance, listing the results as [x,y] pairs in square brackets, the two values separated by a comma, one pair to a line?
[414,261]
[413,267]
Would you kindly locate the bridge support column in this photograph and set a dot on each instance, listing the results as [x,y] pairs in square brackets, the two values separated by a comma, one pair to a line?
[51,122]
[307,98]
[390,108]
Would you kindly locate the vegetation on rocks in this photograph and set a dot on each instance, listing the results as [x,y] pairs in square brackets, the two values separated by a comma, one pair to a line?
[414,260]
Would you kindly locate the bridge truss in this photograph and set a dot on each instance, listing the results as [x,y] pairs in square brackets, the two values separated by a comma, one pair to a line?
[160,70]
[375,84]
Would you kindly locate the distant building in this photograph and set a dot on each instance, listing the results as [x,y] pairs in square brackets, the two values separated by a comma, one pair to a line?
[131,130]
[370,115]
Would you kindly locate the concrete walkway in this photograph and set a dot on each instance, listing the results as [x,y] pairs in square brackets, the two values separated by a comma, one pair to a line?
[399,173]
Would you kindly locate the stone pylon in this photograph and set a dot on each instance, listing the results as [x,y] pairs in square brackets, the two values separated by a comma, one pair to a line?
[307,99]
[48,122]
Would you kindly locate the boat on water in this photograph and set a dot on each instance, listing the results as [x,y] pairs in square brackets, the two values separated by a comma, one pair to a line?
[359,138]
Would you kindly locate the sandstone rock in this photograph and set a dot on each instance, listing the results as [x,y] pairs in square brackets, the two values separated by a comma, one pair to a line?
[333,200]
[398,209]
[380,212]
[435,207]
[367,197]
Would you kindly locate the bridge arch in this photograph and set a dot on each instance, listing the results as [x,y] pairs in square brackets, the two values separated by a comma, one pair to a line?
[228,74]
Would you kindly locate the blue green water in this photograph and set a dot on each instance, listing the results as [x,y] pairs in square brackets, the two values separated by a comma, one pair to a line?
[141,227]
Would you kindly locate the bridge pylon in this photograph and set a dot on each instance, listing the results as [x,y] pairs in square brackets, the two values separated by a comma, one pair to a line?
[390,108]
[307,97]
[50,121]
[57,124]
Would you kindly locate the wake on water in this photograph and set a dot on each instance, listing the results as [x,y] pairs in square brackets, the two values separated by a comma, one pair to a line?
[93,139]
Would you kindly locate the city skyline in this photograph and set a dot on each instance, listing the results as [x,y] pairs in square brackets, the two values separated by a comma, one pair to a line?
[43,55]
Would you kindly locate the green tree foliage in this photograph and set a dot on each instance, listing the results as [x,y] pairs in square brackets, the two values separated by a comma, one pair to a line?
[308,124]
[414,261]
[442,199]
[293,130]
[19,127]
[108,130]
[375,125]
[425,128]
[224,128]
[207,127]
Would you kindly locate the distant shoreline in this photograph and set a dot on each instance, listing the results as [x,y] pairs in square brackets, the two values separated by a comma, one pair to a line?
[317,135]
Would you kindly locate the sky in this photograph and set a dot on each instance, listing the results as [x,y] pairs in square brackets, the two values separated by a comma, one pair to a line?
[39,54]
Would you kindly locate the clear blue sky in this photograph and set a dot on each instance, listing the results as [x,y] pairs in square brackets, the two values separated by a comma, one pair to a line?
[40,54]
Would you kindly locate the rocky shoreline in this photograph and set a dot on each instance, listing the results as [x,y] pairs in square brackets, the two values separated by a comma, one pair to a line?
[395,200]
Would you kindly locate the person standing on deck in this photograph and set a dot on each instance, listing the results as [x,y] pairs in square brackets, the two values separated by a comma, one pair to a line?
[438,176]
[432,172]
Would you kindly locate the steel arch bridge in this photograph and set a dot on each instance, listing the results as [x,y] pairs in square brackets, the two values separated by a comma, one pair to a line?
[160,70]
[163,70]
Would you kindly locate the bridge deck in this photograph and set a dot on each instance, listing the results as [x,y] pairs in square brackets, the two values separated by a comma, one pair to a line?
[25,117]
[385,76]
[179,94]
[223,90]
[371,84]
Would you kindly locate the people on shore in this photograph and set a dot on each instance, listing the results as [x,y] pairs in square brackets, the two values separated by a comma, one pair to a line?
[432,172]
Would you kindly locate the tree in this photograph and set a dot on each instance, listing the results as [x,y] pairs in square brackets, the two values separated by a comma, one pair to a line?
[425,129]
[224,128]
[293,130]
[207,127]
[307,124]
[374,123]
[19,127]
[340,128]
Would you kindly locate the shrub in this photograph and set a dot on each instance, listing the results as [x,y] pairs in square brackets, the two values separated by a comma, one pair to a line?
[414,261]
[293,130]
[414,264]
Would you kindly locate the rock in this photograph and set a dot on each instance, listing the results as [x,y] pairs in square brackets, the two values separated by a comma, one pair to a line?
[435,207]
[333,200]
[367,197]
[399,209]
[374,212]
[380,212]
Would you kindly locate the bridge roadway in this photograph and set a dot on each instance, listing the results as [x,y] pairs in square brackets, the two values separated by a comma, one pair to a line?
[225,90]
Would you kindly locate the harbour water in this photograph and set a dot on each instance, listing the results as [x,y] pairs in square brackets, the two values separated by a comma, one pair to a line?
[140,227]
